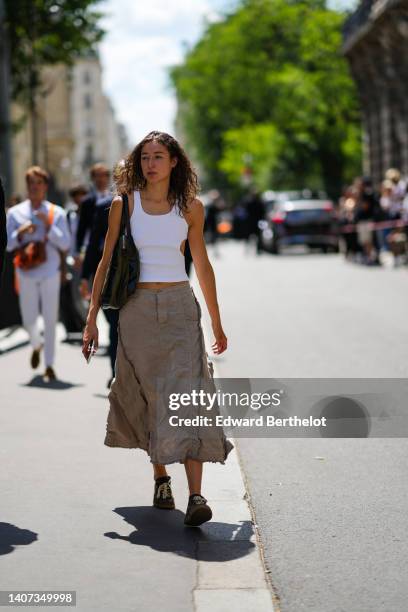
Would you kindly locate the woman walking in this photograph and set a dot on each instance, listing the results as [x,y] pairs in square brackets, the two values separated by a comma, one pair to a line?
[38,233]
[161,349]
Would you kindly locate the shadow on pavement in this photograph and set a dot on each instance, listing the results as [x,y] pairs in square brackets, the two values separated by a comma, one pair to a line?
[164,531]
[57,385]
[11,536]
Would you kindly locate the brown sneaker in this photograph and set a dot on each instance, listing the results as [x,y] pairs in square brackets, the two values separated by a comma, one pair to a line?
[163,496]
[35,358]
[198,511]
[49,374]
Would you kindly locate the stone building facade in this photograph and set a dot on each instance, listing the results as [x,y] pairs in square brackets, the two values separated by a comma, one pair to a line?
[98,136]
[76,127]
[376,46]
[54,133]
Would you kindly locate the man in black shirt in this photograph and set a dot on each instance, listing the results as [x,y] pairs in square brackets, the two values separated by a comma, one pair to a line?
[97,196]
[93,221]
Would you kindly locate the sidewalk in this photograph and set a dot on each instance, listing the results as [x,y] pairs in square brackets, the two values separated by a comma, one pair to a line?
[71,506]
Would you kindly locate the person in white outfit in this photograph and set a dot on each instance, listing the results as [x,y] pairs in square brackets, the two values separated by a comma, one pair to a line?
[38,223]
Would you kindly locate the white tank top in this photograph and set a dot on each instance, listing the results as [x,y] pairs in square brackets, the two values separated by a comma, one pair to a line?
[158,239]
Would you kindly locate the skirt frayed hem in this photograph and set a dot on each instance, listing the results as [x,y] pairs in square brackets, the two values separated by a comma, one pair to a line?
[114,442]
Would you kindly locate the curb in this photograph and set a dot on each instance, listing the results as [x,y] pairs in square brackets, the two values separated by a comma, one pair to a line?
[241,578]
[267,571]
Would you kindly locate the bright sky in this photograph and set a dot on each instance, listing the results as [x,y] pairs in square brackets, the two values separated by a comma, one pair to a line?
[142,40]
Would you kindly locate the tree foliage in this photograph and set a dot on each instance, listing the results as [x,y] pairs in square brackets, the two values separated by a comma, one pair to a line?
[44,32]
[269,82]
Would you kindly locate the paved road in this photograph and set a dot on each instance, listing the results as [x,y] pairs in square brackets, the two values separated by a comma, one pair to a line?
[77,515]
[334,529]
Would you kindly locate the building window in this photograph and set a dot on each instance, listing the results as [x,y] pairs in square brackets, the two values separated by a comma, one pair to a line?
[88,157]
[88,128]
[87,78]
[87,101]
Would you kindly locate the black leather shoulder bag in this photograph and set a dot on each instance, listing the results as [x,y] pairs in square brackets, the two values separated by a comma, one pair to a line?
[124,268]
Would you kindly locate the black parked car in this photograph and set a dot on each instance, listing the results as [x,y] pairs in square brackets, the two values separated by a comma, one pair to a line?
[300,221]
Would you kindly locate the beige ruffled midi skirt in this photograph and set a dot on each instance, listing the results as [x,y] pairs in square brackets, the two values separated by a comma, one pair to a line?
[161,355]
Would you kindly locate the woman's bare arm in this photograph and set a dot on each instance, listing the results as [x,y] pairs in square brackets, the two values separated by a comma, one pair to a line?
[204,271]
[91,331]
[111,237]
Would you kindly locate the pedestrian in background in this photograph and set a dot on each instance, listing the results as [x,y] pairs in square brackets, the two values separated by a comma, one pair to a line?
[160,335]
[93,220]
[397,192]
[37,230]
[98,195]
[240,222]
[347,206]
[72,208]
[393,195]
[211,219]
[72,305]
[255,213]
[368,213]
[387,206]
[3,231]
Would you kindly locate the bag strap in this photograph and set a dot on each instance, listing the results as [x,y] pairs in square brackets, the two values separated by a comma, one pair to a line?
[61,253]
[125,211]
[51,214]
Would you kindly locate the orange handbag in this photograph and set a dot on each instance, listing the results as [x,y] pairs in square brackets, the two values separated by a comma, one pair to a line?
[32,254]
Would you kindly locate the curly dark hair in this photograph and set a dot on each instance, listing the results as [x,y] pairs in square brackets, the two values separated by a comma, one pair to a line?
[183,187]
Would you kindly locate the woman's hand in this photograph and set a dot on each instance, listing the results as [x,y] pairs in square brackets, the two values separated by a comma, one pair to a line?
[90,335]
[27,227]
[205,273]
[220,344]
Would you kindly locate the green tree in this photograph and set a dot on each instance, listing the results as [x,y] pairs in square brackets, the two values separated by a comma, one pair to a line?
[256,146]
[46,32]
[272,70]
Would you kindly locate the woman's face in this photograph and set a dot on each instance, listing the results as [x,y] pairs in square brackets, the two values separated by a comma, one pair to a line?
[156,162]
